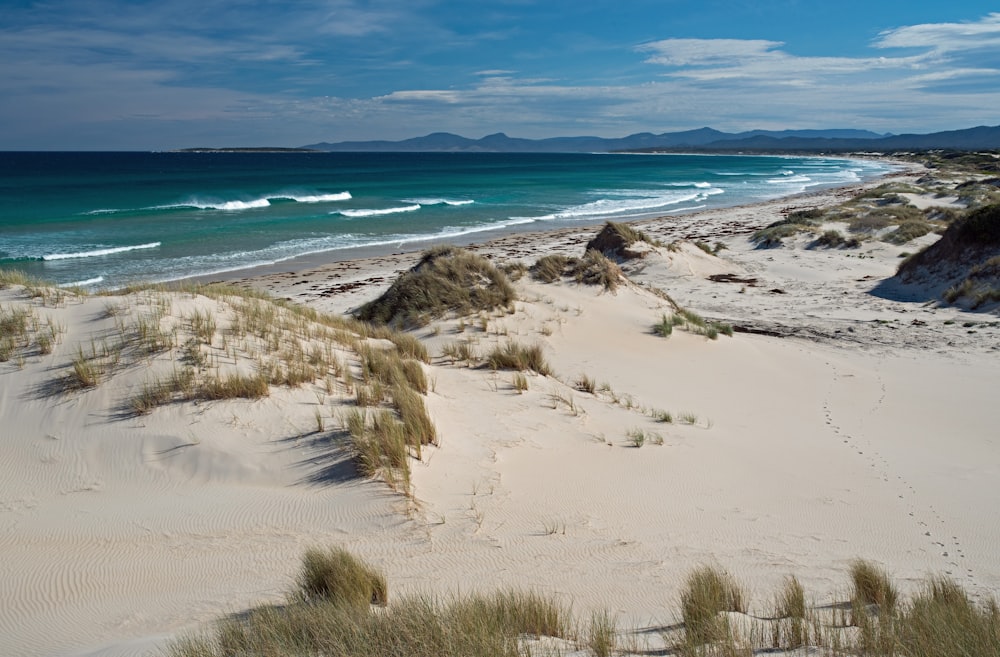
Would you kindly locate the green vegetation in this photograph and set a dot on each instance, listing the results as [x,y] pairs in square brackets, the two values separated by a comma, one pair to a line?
[594,268]
[550,268]
[614,240]
[329,614]
[447,279]
[708,592]
[337,576]
[340,606]
[514,356]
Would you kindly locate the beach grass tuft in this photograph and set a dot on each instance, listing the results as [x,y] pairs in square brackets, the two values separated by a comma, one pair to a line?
[447,279]
[515,356]
[707,593]
[337,576]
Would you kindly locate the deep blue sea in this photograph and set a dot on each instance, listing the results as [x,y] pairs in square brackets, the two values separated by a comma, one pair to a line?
[108,219]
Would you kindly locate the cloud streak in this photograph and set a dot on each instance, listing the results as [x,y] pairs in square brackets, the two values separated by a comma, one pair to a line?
[174,73]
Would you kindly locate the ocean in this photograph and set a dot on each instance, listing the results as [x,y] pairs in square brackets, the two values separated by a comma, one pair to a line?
[104,220]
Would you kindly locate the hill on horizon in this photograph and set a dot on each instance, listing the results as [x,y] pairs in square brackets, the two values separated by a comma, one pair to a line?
[699,140]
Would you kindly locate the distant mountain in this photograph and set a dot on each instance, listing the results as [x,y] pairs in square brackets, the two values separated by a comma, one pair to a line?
[700,140]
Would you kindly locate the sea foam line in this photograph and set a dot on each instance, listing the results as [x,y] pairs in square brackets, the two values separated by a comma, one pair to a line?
[99,252]
[378,212]
[439,201]
[89,281]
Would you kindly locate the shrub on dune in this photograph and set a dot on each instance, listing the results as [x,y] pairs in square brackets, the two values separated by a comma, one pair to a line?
[447,279]
[337,576]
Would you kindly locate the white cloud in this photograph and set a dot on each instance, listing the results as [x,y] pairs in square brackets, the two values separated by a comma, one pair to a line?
[709,52]
[944,37]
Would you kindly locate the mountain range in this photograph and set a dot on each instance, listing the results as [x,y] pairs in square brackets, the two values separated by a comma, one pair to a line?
[700,140]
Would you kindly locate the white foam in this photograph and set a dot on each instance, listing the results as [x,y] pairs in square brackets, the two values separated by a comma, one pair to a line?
[439,201]
[99,252]
[89,281]
[377,212]
[789,179]
[316,198]
[233,205]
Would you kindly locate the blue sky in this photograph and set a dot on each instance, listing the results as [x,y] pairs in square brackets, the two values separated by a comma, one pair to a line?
[107,74]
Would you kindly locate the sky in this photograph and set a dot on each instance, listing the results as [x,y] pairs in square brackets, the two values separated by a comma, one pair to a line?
[164,74]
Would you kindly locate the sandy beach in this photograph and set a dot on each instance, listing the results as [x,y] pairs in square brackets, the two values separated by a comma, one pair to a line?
[837,422]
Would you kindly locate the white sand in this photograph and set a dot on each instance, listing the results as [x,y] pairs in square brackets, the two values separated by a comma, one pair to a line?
[862,434]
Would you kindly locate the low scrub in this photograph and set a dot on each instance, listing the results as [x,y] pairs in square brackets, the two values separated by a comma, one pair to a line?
[594,268]
[908,230]
[446,279]
[614,240]
[834,239]
[550,268]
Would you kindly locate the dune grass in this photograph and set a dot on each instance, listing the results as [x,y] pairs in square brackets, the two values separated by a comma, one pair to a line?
[447,279]
[550,268]
[331,613]
[340,606]
[594,268]
[707,593]
[515,356]
[335,575]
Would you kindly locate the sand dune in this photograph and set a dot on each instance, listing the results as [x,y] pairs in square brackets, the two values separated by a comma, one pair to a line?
[864,433]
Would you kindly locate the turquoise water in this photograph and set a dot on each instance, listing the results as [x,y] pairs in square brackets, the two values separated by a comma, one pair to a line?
[108,219]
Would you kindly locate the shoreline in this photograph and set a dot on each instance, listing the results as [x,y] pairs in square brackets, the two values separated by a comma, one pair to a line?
[349,278]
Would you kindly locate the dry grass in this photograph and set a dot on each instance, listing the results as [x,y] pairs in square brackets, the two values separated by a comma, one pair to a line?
[707,593]
[514,356]
[235,386]
[331,614]
[446,279]
[594,268]
[550,268]
[337,576]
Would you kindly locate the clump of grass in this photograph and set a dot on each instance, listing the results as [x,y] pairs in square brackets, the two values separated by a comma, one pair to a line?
[704,246]
[774,234]
[602,634]
[665,327]
[550,268]
[417,425]
[707,593]
[335,575]
[666,417]
[614,240]
[514,356]
[908,230]
[12,277]
[520,382]
[461,351]
[791,601]
[585,384]
[514,269]
[871,585]
[409,346]
[85,373]
[447,279]
[636,437]
[943,622]
[594,268]
[378,445]
[833,239]
[235,386]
